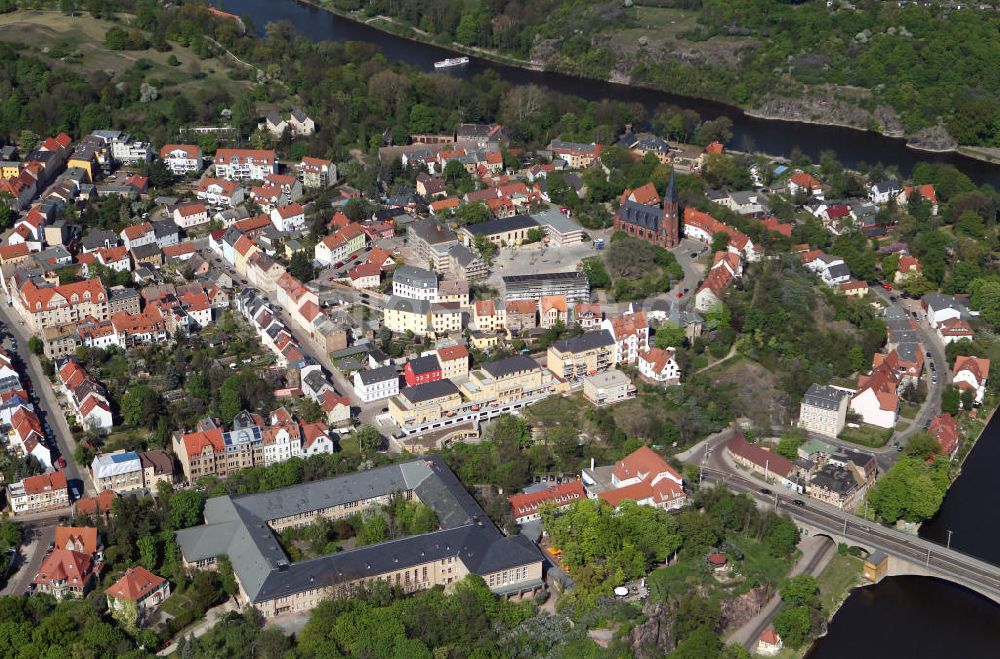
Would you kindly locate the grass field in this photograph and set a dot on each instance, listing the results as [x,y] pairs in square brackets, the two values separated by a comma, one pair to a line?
[866,435]
[75,41]
[837,578]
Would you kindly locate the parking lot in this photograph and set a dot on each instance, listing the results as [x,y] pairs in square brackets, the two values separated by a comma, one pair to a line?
[528,260]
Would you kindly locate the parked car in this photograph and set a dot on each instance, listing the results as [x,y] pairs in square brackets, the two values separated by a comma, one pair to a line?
[799,502]
[887,286]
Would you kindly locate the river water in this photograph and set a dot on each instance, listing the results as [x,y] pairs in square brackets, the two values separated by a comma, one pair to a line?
[902,616]
[776,138]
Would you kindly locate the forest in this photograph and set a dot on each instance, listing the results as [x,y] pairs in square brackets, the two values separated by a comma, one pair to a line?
[928,63]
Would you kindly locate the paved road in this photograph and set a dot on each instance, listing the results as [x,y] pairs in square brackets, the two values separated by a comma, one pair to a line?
[49,408]
[817,551]
[37,536]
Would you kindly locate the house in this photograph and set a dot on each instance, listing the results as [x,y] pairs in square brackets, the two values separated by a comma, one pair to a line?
[527,506]
[120,471]
[300,123]
[726,267]
[181,159]
[190,215]
[970,374]
[65,573]
[421,370]
[404,315]
[854,288]
[588,315]
[954,329]
[220,192]
[337,247]
[291,217]
[54,305]
[83,539]
[366,275]
[317,173]
[940,307]
[425,403]
[245,164]
[414,283]
[607,388]
[876,399]
[631,334]
[585,354]
[831,269]
[136,594]
[772,467]
[944,428]
[642,476]
[804,182]
[490,315]
[703,227]
[576,155]
[909,266]
[36,494]
[925,192]
[659,365]
[552,309]
[137,235]
[376,384]
[454,361]
[883,191]
[508,231]
[841,484]
[769,642]
[824,410]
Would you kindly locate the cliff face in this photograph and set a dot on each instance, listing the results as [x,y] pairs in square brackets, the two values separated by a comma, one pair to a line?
[828,106]
[651,639]
[738,611]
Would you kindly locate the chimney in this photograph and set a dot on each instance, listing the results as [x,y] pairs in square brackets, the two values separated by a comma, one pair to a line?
[591,462]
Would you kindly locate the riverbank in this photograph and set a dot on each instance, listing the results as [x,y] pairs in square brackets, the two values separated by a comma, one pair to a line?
[391,26]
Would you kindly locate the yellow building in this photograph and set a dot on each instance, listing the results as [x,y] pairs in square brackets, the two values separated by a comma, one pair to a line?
[83,157]
[876,566]
[506,381]
[402,315]
[483,342]
[489,315]
[425,403]
[10,170]
[507,231]
[588,353]
[446,318]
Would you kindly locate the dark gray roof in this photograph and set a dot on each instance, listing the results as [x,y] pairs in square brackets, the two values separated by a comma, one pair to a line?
[838,270]
[834,478]
[143,251]
[380,374]
[414,277]
[647,217]
[515,364]
[163,228]
[397,303]
[237,526]
[824,397]
[429,391]
[99,238]
[543,276]
[585,341]
[425,364]
[502,225]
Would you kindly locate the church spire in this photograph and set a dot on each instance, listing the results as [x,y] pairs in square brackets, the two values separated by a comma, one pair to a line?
[671,194]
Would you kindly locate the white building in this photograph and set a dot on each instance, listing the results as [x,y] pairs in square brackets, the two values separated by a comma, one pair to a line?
[181,159]
[414,283]
[245,164]
[970,374]
[288,218]
[659,365]
[824,410]
[190,215]
[377,383]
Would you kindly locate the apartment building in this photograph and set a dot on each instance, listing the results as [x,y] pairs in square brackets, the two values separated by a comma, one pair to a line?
[127,471]
[571,285]
[424,403]
[402,315]
[414,283]
[824,410]
[243,527]
[245,164]
[44,304]
[588,353]
[181,159]
[37,494]
[506,381]
[376,383]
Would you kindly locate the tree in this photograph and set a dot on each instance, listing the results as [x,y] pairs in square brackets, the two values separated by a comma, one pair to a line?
[922,446]
[793,624]
[184,509]
[596,273]
[148,552]
[300,266]
[369,440]
[911,490]
[474,213]
[227,576]
[669,335]
[968,398]
[487,250]
[950,400]
[160,176]
[802,590]
[141,406]
[701,643]
[790,442]
[36,346]
[230,398]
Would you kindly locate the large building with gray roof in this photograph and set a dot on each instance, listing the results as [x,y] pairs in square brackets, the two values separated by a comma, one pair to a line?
[243,528]
[824,410]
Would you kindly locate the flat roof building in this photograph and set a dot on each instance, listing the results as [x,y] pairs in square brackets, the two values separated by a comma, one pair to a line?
[572,285]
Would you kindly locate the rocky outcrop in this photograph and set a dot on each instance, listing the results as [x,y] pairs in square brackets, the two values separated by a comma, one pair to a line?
[738,611]
[652,639]
[934,138]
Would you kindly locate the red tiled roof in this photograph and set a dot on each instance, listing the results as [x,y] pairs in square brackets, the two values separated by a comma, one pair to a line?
[100,503]
[85,535]
[195,442]
[451,353]
[774,462]
[559,495]
[136,583]
[44,482]
[944,428]
[642,463]
[73,567]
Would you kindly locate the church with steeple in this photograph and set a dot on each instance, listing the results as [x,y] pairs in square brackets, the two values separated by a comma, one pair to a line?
[644,216]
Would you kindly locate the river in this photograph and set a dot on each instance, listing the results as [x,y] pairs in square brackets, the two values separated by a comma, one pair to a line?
[902,616]
[777,138]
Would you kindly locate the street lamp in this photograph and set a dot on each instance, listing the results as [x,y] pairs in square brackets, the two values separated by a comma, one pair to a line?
[949,538]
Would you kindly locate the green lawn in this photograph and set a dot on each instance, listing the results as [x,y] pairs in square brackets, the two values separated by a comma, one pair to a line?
[758,564]
[837,578]
[909,411]
[349,446]
[176,604]
[867,435]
